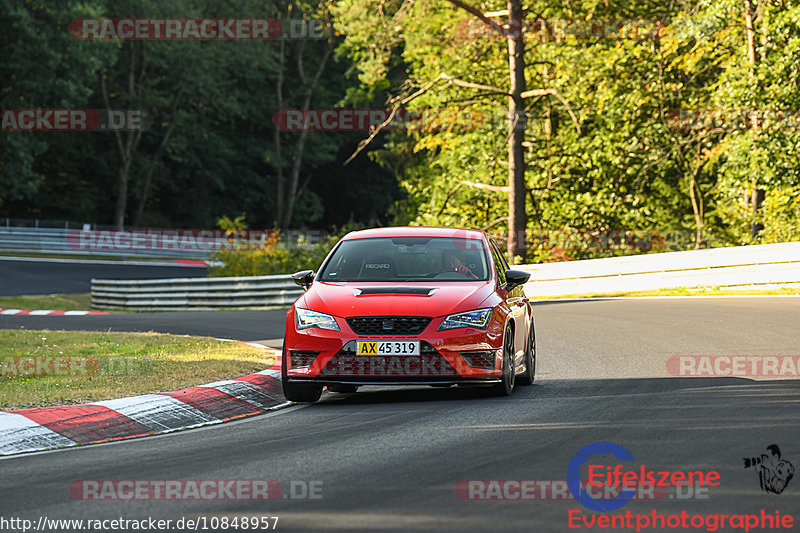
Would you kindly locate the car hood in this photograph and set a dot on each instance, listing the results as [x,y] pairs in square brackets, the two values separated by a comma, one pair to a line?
[418,299]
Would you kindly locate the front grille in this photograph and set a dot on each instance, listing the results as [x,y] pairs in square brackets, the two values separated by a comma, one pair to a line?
[302,359]
[388,325]
[482,359]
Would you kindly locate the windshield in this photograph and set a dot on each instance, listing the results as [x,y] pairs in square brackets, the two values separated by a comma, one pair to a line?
[408,259]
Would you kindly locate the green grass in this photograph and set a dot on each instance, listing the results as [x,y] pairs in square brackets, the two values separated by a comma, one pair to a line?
[81,302]
[113,365]
[56,302]
[683,291]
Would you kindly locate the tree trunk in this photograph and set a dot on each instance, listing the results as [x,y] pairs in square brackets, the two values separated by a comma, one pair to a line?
[757,195]
[750,12]
[294,178]
[122,192]
[148,178]
[281,194]
[696,196]
[548,128]
[127,148]
[517,217]
[299,147]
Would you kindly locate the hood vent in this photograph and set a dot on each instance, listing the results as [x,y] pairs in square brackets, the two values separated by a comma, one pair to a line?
[394,290]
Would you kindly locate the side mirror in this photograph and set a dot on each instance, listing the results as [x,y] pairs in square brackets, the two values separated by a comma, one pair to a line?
[303,278]
[515,278]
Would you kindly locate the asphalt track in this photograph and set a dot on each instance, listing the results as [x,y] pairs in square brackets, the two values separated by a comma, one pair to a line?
[391,459]
[239,325]
[32,277]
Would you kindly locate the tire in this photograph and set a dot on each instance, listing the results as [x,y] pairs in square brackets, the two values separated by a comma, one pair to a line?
[527,377]
[506,386]
[301,392]
[297,392]
[344,389]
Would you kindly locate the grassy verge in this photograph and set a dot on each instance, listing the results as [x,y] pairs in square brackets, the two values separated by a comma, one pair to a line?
[81,302]
[682,291]
[55,302]
[68,367]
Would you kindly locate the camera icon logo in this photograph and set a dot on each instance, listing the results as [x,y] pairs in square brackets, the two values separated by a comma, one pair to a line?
[774,472]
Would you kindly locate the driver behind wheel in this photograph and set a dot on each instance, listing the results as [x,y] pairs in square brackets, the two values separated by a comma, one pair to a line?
[452,261]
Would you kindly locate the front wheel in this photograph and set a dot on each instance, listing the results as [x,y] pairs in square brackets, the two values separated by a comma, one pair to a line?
[506,386]
[526,378]
[297,392]
[301,392]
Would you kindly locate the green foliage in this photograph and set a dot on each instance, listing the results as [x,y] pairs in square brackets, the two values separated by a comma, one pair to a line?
[271,256]
[631,167]
[780,216]
[217,100]
[42,66]
[624,167]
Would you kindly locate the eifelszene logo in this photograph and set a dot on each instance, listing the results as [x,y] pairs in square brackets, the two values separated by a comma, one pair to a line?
[622,480]
[574,476]
[774,472]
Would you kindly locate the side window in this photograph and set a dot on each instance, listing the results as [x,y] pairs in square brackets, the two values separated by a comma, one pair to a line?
[500,264]
[502,256]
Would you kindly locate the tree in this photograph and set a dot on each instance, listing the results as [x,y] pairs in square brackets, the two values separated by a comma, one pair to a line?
[288,187]
[512,32]
[42,67]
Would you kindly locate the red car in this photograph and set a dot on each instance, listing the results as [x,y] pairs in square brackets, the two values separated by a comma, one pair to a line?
[409,306]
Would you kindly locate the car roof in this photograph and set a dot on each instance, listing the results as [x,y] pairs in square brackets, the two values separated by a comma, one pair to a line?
[416,231]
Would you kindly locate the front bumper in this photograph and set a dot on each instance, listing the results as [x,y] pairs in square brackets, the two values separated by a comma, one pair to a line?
[458,356]
[400,382]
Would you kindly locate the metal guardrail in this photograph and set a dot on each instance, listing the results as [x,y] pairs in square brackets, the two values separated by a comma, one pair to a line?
[742,267]
[67,242]
[762,266]
[194,294]
[140,243]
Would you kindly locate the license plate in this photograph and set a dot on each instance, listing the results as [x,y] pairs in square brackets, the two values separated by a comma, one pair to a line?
[388,347]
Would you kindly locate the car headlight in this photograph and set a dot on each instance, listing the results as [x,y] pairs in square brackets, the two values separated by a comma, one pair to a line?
[307,318]
[478,319]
